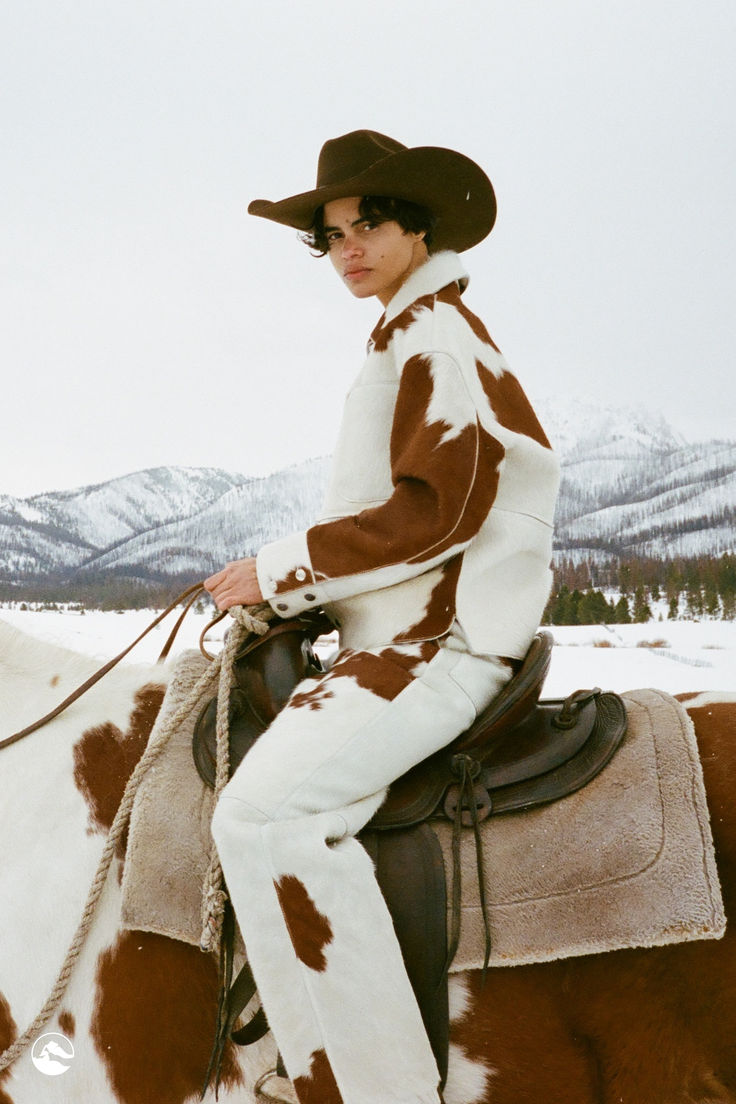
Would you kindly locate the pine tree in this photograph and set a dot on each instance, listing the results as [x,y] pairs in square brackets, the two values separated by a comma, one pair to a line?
[623,615]
[726,577]
[557,607]
[694,599]
[642,609]
[711,600]
[593,608]
[573,614]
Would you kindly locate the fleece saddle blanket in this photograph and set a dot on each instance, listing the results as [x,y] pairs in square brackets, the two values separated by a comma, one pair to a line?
[626,862]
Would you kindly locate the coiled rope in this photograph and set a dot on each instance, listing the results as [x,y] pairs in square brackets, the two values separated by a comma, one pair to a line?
[253,619]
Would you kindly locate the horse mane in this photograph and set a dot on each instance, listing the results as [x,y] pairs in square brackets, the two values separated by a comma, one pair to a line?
[22,653]
[25,656]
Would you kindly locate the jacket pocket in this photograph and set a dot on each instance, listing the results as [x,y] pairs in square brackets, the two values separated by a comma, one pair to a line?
[361,467]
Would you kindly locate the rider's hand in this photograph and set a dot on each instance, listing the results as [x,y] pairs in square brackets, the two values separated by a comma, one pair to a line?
[235,585]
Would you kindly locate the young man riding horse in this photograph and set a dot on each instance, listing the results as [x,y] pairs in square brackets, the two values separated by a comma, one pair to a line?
[431,558]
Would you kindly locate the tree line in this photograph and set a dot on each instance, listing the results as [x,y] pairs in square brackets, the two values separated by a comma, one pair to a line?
[584,592]
[693,588]
[111,592]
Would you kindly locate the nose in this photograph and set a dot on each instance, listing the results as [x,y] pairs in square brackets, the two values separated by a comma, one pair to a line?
[350,245]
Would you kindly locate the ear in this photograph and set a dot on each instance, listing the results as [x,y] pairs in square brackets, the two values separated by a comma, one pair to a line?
[417,235]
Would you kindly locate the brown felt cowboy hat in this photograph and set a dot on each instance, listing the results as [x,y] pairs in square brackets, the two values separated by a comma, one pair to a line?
[454,188]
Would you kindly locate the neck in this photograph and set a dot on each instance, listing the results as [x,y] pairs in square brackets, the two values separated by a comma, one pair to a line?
[418,258]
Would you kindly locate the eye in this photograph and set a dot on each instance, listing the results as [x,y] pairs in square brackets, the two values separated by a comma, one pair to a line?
[333,236]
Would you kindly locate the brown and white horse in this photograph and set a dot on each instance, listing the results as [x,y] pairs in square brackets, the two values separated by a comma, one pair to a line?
[631,1027]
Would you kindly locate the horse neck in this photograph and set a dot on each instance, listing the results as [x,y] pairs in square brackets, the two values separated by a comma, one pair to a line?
[35,677]
[25,657]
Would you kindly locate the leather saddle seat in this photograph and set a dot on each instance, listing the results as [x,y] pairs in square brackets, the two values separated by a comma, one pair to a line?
[416,795]
[521,751]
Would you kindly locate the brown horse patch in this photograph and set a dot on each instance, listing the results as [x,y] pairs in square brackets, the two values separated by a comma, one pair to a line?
[105,757]
[157,993]
[67,1023]
[8,1035]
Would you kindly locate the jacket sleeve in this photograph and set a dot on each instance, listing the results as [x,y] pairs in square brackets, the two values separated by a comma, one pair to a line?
[444,473]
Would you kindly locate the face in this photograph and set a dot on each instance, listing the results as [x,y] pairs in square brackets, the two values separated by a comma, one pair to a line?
[372,259]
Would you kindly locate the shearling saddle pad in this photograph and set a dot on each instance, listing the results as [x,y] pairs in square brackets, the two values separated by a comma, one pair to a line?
[169,841]
[626,862]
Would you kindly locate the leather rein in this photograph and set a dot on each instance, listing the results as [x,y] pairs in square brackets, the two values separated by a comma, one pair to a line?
[188,596]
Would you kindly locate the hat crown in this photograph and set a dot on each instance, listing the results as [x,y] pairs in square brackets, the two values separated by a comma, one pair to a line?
[351,154]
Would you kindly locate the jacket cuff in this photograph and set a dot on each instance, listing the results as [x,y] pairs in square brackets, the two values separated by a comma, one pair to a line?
[286,578]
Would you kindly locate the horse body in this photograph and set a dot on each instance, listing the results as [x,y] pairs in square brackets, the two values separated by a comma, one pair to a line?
[639,1027]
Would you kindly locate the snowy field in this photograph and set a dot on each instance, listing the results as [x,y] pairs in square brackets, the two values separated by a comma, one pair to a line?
[675,656]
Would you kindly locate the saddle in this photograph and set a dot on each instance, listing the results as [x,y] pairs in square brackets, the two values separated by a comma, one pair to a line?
[520,752]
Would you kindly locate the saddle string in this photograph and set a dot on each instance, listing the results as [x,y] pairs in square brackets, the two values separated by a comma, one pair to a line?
[226,974]
[466,769]
[156,744]
[481,875]
[234,997]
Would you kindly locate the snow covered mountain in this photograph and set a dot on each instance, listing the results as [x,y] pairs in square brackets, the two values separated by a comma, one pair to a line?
[630,485]
[154,524]
[57,532]
[233,525]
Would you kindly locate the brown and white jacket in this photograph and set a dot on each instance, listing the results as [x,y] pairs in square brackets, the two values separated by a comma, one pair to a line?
[442,494]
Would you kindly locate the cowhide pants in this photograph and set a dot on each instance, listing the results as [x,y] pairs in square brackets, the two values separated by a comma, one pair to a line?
[318,934]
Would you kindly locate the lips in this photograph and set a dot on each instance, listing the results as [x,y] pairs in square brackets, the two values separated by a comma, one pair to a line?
[355,273]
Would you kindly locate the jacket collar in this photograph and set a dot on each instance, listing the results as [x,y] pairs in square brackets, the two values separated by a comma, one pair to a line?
[437,272]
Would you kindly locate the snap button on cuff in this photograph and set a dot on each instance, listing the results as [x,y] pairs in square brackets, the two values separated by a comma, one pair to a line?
[309,597]
[281,605]
[300,574]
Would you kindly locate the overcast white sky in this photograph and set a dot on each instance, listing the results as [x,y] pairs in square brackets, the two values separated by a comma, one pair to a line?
[147,319]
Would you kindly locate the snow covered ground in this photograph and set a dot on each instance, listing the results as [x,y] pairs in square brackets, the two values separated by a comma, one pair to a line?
[671,655]
[676,656]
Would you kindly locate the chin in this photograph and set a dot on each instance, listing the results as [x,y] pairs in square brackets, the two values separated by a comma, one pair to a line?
[360,292]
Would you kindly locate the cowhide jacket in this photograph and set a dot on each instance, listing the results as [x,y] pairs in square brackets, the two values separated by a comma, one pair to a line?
[442,493]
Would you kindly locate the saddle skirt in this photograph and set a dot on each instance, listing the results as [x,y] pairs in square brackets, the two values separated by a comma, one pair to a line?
[625,862]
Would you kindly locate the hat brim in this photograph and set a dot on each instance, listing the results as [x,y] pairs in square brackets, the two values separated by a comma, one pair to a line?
[454,188]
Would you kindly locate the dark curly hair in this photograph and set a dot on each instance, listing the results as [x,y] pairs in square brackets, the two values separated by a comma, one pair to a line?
[377,209]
